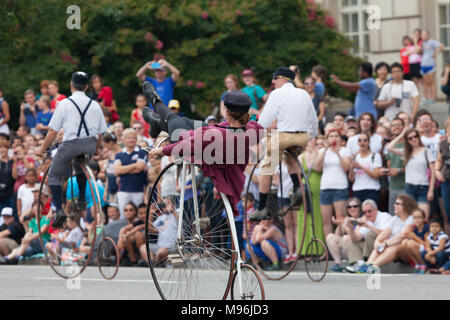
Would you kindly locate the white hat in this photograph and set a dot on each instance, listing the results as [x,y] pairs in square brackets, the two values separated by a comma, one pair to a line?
[7,212]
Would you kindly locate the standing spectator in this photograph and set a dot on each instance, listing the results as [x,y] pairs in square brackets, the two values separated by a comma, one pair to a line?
[443,171]
[6,179]
[365,90]
[53,90]
[388,245]
[431,49]
[347,231]
[11,232]
[130,166]
[255,92]
[382,71]
[367,125]
[365,171]
[430,138]
[104,96]
[339,122]
[28,111]
[406,119]
[136,114]
[44,89]
[164,86]
[396,166]
[415,58]
[437,247]
[232,84]
[308,160]
[319,74]
[317,99]
[445,83]
[404,56]
[5,115]
[117,129]
[334,162]
[140,134]
[373,222]
[416,158]
[44,115]
[399,95]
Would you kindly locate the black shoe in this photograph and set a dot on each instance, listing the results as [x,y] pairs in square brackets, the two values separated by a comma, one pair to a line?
[59,219]
[80,206]
[297,198]
[3,260]
[12,261]
[153,120]
[150,93]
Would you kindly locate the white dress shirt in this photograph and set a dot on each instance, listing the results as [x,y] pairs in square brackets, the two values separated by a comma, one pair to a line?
[67,117]
[293,109]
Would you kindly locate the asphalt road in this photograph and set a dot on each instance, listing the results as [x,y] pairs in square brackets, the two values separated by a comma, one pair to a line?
[39,282]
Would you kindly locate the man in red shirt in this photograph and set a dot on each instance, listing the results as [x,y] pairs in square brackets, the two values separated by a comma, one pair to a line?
[53,89]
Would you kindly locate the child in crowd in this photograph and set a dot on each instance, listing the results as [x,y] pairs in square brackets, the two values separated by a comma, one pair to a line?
[437,247]
[25,198]
[136,114]
[44,115]
[416,240]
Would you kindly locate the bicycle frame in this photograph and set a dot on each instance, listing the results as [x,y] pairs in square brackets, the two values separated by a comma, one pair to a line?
[228,210]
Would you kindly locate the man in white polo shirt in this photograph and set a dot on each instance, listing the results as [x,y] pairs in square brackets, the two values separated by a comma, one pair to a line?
[296,122]
[399,95]
[84,123]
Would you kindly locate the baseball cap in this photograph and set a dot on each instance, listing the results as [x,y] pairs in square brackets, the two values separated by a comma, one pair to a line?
[237,101]
[247,72]
[209,118]
[174,104]
[350,118]
[7,212]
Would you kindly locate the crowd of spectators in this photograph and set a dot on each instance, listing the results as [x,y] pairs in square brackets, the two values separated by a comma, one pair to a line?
[380,174]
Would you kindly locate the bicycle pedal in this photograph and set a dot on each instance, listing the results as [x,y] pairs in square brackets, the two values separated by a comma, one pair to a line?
[175,260]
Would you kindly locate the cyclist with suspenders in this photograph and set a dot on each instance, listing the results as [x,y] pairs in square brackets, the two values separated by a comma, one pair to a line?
[83,123]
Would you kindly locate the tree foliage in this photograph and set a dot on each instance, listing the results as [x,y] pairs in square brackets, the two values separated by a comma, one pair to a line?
[205,40]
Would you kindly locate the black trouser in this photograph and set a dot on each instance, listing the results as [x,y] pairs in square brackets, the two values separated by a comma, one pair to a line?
[173,124]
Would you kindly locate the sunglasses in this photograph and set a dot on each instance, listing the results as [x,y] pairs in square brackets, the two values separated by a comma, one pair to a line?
[279,77]
[414,137]
[352,207]
[367,211]
[363,140]
[309,83]
[128,210]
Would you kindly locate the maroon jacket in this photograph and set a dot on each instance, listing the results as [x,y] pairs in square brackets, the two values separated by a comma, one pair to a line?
[222,153]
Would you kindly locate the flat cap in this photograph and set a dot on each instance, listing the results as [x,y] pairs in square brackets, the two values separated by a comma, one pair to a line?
[81,78]
[284,72]
[237,101]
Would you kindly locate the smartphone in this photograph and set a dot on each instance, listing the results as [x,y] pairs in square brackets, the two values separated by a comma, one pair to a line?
[156,65]
[27,106]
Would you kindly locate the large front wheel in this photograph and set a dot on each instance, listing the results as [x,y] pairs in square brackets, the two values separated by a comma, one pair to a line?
[197,265]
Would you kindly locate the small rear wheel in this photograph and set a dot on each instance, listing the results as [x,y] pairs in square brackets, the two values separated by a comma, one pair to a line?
[252,287]
[108,259]
[316,260]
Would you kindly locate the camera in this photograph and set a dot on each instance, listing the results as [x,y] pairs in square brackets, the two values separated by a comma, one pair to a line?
[398,102]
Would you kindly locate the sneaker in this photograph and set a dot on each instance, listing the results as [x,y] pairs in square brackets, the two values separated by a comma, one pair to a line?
[153,120]
[337,268]
[363,269]
[423,269]
[274,267]
[351,269]
[259,215]
[59,219]
[289,259]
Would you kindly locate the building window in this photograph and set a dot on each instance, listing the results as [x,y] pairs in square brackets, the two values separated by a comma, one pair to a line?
[354,25]
[444,30]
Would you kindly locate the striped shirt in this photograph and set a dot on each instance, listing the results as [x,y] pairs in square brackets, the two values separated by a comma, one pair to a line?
[434,243]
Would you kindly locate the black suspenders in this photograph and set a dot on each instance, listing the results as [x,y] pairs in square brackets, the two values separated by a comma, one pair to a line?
[82,115]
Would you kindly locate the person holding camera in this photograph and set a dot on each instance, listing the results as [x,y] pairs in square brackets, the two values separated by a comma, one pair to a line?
[388,244]
[399,95]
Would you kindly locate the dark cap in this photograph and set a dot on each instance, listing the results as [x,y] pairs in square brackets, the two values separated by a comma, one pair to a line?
[247,72]
[350,118]
[284,72]
[81,78]
[237,101]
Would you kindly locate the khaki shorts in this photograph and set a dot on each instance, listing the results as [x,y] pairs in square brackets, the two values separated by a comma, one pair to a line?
[9,243]
[276,144]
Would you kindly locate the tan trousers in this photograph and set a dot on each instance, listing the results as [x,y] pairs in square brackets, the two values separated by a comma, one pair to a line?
[362,249]
[277,142]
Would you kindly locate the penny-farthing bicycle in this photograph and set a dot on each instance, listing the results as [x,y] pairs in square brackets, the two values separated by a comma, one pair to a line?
[315,256]
[68,260]
[192,243]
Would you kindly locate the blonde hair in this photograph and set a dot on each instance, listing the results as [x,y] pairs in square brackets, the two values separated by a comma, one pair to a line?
[45,99]
[129,131]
